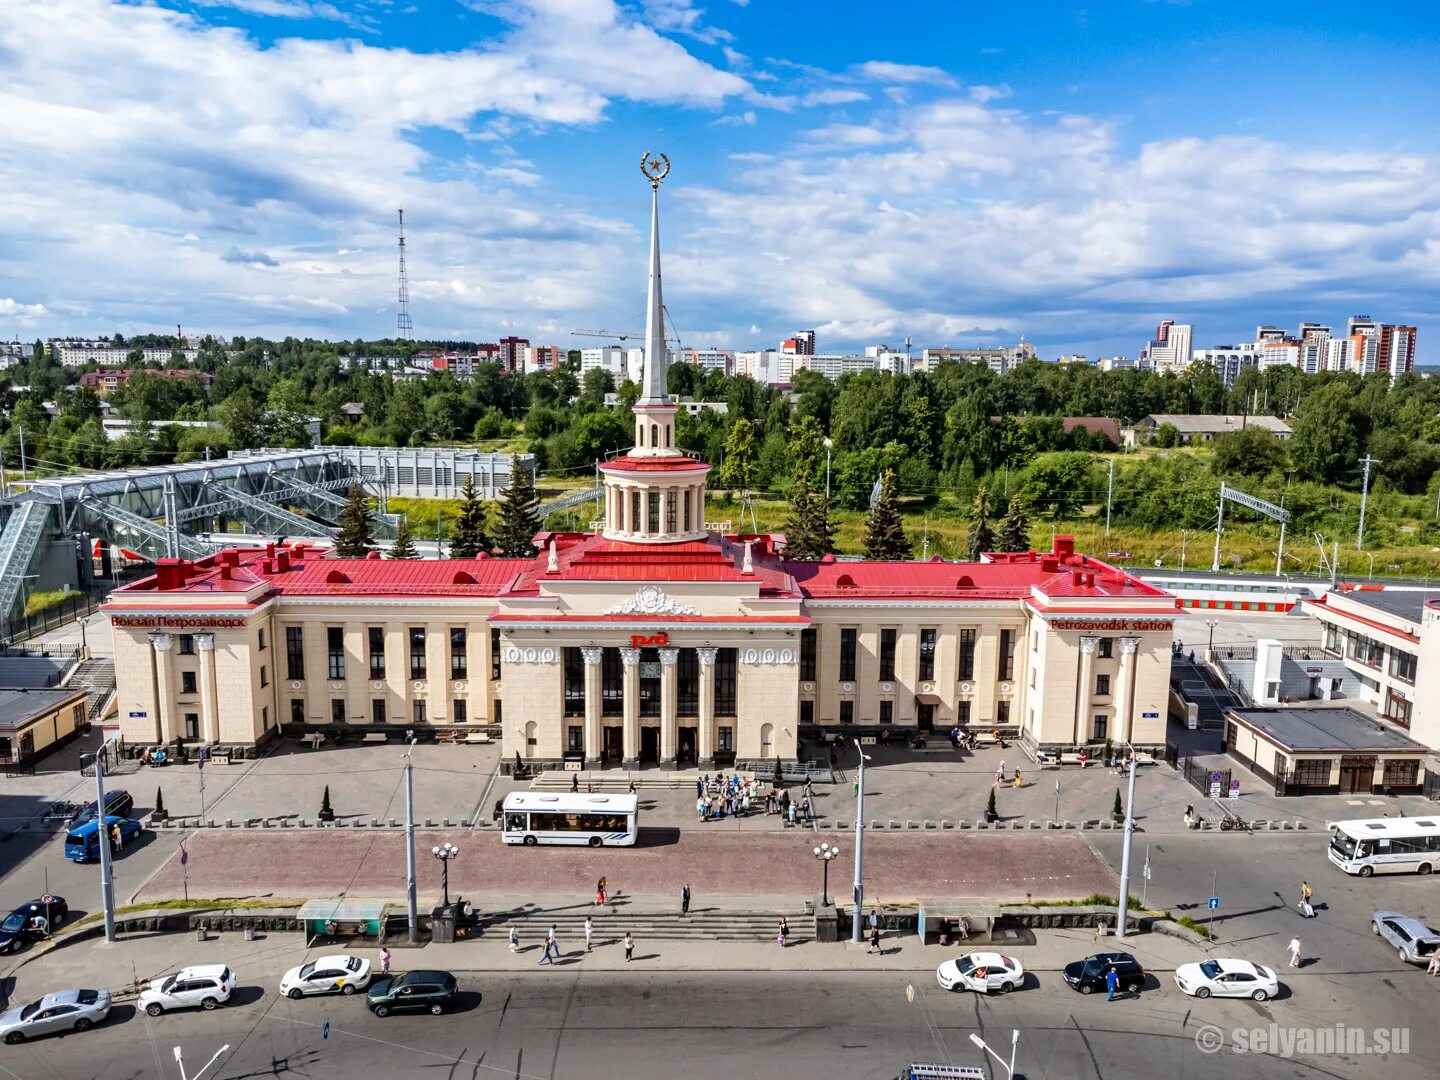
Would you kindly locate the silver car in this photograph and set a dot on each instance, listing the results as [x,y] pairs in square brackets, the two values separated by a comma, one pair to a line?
[66,1010]
[1413,940]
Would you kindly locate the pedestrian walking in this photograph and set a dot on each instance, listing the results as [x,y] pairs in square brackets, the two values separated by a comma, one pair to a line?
[1294,948]
[784,931]
[685,899]
[600,892]
[514,939]
[874,940]
[1112,983]
[574,783]
[632,787]
[1306,892]
[552,947]
[699,788]
[589,933]
[1017,779]
[384,961]
[629,946]
[999,776]
[874,919]
[119,837]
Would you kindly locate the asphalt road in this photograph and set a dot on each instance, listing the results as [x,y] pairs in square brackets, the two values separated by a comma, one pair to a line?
[562,1024]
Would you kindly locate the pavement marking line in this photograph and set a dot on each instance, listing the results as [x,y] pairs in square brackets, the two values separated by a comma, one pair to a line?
[334,1031]
[484,797]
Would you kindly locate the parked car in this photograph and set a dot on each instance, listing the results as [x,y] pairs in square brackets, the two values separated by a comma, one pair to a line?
[981,972]
[1227,978]
[414,991]
[32,922]
[117,802]
[82,843]
[1413,940]
[1089,975]
[327,975]
[66,1010]
[204,986]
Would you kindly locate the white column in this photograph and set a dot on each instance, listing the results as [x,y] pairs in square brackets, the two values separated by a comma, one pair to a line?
[706,657]
[593,697]
[165,692]
[1086,688]
[630,658]
[669,704]
[1124,718]
[209,713]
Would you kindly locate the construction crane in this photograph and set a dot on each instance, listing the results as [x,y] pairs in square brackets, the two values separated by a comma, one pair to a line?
[626,335]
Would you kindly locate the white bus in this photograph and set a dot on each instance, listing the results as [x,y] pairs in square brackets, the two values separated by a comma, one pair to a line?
[1385,845]
[542,817]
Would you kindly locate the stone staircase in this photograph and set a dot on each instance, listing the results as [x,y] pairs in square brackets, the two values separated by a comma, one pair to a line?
[702,924]
[611,780]
[98,677]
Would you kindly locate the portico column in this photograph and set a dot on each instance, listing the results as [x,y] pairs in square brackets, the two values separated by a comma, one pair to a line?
[165,693]
[593,690]
[706,657]
[630,659]
[1085,689]
[209,716]
[669,704]
[1124,718]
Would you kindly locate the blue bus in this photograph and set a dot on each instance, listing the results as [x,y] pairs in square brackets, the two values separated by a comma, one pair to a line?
[83,843]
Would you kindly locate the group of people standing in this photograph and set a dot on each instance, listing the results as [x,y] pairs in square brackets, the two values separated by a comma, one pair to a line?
[736,796]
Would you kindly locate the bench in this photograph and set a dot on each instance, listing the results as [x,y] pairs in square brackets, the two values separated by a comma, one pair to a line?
[1048,761]
[447,736]
[1074,759]
[986,739]
[314,739]
[478,737]
[1145,759]
[375,737]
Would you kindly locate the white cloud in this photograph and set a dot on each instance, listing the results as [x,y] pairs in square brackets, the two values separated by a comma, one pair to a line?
[25,313]
[986,94]
[745,119]
[888,71]
[834,96]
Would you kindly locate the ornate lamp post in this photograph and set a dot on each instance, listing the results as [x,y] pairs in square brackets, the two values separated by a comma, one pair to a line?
[825,853]
[445,854]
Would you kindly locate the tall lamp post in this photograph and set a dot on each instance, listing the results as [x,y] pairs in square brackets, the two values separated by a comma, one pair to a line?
[180,1061]
[859,891]
[107,876]
[830,446]
[1210,648]
[1008,1067]
[413,916]
[445,854]
[825,853]
[1122,917]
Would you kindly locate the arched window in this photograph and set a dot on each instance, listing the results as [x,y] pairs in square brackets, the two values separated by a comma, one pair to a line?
[667,436]
[654,434]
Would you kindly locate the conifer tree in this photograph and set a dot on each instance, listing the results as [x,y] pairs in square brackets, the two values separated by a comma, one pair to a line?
[353,540]
[403,547]
[884,531]
[470,538]
[1014,532]
[982,537]
[807,532]
[519,514]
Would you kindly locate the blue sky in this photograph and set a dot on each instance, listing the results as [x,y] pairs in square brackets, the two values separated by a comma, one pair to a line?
[961,173]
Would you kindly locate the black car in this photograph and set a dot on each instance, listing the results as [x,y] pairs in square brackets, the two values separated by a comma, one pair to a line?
[117,802]
[32,922]
[414,991]
[1088,975]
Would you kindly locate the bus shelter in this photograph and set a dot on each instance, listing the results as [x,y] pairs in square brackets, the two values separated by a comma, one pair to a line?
[943,917]
[342,918]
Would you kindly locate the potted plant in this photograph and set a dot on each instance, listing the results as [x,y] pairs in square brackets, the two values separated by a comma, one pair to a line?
[779,774]
[326,814]
[992,815]
[1117,812]
[519,765]
[159,813]
[1108,748]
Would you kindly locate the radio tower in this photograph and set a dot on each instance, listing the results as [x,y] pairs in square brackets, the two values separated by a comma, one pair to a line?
[402,315]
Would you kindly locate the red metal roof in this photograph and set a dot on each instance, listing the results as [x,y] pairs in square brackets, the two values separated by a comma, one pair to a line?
[591,557]
[653,464]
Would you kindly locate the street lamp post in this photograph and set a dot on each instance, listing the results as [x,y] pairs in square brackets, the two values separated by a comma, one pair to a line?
[830,446]
[413,914]
[1122,917]
[1008,1067]
[825,853]
[107,877]
[859,889]
[180,1061]
[1210,648]
[445,854]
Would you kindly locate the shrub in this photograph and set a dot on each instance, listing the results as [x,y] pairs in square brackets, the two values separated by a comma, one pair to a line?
[325,811]
[990,811]
[1118,810]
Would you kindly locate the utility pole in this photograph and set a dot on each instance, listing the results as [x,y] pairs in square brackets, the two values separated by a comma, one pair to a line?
[414,915]
[107,880]
[1364,494]
[24,473]
[1109,490]
[1122,917]
[403,326]
[859,891]
[1219,527]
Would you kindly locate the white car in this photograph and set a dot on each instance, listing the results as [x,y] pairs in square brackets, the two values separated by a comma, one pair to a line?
[327,975]
[1227,978]
[202,987]
[981,972]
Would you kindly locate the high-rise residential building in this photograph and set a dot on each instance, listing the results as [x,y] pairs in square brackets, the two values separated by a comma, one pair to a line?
[1228,360]
[1397,350]
[1337,354]
[1314,345]
[512,353]
[542,358]
[609,358]
[768,366]
[805,342]
[1268,333]
[720,360]
[1170,350]
[999,360]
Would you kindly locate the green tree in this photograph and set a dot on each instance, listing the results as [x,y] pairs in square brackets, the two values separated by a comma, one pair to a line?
[470,538]
[884,531]
[807,532]
[1251,451]
[519,514]
[981,537]
[742,456]
[403,547]
[1014,531]
[353,540]
[1324,444]
[1166,436]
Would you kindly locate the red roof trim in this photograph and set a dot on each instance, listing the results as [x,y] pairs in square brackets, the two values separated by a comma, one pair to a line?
[737,620]
[1376,623]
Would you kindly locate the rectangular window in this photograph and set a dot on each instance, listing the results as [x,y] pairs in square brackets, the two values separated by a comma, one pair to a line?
[264,676]
[337,710]
[376,635]
[1107,648]
[192,726]
[1402,666]
[670,526]
[459,664]
[575,739]
[1035,641]
[297,710]
[686,501]
[1397,709]
[1399,773]
[417,652]
[847,712]
[962,714]
[1006,668]
[1099,727]
[187,644]
[687,683]
[417,710]
[574,675]
[1002,713]
[612,684]
[725,675]
[377,711]
[295,652]
[263,643]
[335,648]
[887,655]
[462,713]
[967,654]
[494,655]
[187,682]
[1313,772]
[634,512]
[847,653]
[653,506]
[1102,685]
[887,712]
[725,739]
[927,655]
[807,655]
[807,712]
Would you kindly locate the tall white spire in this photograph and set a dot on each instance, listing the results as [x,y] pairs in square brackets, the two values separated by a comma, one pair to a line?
[657,381]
